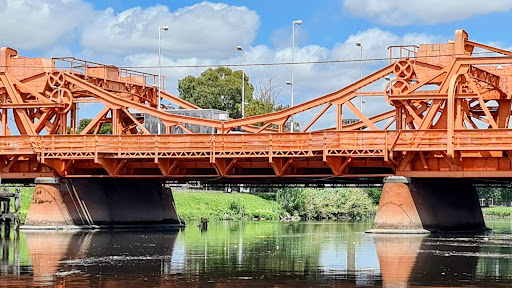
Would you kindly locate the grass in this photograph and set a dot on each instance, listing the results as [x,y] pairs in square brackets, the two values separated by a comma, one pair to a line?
[222,206]
[317,204]
[497,211]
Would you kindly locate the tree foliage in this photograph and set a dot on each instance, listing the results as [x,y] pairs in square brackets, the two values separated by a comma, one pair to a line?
[498,194]
[219,88]
[325,203]
[106,128]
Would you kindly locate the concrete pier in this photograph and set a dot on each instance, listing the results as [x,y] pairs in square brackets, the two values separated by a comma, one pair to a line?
[425,205]
[100,203]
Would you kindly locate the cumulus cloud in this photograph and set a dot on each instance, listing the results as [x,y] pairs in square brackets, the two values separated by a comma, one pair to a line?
[405,12]
[206,29]
[202,34]
[32,24]
[311,80]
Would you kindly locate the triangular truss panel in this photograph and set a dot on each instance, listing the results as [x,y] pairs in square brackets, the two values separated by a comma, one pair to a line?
[448,115]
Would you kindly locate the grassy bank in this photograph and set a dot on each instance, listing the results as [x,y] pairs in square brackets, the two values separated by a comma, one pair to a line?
[219,206]
[497,211]
[306,203]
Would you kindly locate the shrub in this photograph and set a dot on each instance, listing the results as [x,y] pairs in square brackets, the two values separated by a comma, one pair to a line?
[236,209]
[374,194]
[326,203]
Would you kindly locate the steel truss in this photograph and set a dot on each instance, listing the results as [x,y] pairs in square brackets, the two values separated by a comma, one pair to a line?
[449,117]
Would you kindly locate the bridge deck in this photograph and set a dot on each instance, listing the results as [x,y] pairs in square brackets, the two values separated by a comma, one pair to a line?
[448,115]
[277,155]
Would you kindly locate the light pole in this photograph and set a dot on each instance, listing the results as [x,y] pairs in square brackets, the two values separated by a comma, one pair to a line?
[360,45]
[239,48]
[289,83]
[296,22]
[164,28]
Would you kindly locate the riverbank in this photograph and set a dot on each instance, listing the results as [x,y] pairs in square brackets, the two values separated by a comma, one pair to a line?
[224,206]
[497,211]
[296,203]
[291,203]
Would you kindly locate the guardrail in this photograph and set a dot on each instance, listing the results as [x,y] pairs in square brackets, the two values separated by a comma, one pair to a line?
[260,145]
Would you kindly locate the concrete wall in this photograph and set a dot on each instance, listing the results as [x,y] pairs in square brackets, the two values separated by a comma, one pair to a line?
[101,202]
[428,205]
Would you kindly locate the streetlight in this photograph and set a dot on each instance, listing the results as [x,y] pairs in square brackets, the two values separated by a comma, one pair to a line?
[289,83]
[239,48]
[360,45]
[160,29]
[296,22]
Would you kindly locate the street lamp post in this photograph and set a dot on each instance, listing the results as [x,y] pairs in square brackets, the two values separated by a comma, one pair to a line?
[160,29]
[360,45]
[239,48]
[289,83]
[296,22]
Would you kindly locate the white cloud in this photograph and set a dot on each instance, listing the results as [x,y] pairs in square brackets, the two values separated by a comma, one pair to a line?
[405,12]
[311,80]
[32,24]
[202,34]
[205,29]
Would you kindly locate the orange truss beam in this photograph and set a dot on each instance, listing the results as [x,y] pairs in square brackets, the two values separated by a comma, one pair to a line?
[451,113]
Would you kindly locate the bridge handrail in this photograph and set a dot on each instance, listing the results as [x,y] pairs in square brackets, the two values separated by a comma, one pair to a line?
[405,140]
[79,66]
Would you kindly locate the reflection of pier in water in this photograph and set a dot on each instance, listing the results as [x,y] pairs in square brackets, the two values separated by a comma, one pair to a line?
[425,260]
[99,256]
[241,255]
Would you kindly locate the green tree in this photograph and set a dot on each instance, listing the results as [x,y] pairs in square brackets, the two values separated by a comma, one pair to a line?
[219,88]
[106,128]
[498,194]
[374,194]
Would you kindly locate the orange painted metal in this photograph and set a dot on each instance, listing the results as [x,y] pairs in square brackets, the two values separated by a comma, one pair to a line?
[448,116]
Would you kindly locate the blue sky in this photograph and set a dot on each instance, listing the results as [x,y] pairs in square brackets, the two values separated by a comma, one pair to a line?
[125,33]
[327,22]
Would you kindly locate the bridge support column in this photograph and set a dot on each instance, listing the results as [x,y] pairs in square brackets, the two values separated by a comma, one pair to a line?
[424,205]
[100,203]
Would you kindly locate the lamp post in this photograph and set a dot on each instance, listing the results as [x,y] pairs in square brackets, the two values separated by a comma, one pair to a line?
[289,83]
[160,29]
[239,48]
[296,22]
[360,45]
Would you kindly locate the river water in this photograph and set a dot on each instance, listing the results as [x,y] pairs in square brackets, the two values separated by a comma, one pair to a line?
[258,254]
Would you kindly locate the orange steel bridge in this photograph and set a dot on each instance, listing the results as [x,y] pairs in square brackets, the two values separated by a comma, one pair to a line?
[448,116]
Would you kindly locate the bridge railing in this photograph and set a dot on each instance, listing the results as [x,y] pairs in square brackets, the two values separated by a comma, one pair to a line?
[483,140]
[258,145]
[417,140]
[16,145]
[106,72]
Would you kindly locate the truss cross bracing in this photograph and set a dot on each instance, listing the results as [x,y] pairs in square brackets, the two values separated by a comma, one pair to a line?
[448,116]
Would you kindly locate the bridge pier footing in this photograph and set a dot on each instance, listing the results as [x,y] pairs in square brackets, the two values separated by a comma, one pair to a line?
[425,205]
[101,203]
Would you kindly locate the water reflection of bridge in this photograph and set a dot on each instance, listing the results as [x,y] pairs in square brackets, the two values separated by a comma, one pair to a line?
[234,253]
